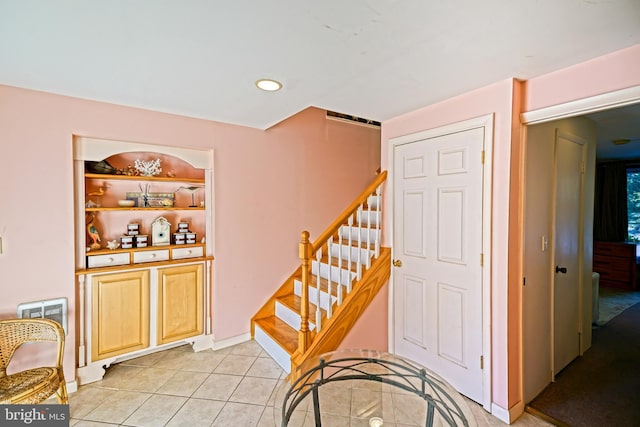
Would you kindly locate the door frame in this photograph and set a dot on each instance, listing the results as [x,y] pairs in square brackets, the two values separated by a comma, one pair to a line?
[578,107]
[486,122]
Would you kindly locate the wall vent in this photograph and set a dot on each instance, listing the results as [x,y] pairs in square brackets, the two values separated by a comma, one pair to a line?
[54,309]
[352,119]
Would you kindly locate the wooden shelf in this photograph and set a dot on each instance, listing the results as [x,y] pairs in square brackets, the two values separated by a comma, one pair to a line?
[141,178]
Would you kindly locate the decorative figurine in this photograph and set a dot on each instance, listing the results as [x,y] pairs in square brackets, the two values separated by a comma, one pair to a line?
[99,192]
[113,244]
[192,191]
[93,233]
[148,167]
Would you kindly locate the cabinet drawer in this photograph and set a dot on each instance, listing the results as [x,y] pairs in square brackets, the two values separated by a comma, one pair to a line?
[180,253]
[107,260]
[150,256]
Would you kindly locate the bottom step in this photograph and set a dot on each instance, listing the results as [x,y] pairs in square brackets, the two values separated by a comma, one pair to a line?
[278,339]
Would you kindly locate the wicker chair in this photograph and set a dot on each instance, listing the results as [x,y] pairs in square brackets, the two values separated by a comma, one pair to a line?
[32,385]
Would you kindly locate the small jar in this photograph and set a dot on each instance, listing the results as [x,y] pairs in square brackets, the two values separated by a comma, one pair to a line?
[179,238]
[141,241]
[126,242]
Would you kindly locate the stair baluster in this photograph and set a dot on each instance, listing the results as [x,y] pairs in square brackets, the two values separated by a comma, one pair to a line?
[304,253]
[359,265]
[350,250]
[378,220]
[318,275]
[329,285]
[368,260]
[339,286]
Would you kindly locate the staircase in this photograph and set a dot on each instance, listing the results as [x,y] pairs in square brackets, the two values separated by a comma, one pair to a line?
[339,275]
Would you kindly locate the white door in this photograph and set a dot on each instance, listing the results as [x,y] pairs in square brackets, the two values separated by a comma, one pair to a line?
[438,193]
[569,177]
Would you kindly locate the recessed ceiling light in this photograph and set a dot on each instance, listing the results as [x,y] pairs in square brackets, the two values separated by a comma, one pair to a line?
[269,85]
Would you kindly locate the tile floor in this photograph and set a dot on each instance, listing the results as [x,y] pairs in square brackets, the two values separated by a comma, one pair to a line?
[232,387]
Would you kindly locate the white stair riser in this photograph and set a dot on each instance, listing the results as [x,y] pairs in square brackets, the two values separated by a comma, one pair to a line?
[364,253]
[344,232]
[336,273]
[374,202]
[292,318]
[278,354]
[313,295]
[366,217]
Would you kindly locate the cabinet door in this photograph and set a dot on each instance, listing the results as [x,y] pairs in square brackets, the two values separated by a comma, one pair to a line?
[180,302]
[120,313]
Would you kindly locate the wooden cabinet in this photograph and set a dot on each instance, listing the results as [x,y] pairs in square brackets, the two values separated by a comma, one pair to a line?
[616,264]
[179,302]
[119,313]
[154,293]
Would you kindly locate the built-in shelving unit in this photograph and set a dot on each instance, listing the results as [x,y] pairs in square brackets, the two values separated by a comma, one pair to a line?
[156,292]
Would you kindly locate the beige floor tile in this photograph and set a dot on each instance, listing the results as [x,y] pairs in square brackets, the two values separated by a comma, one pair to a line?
[265,368]
[254,390]
[85,423]
[119,376]
[149,380]
[235,364]
[218,387]
[189,361]
[196,413]
[247,348]
[86,399]
[239,415]
[183,383]
[120,405]
[155,411]
[146,360]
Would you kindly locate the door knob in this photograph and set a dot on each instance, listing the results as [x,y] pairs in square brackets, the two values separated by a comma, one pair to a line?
[562,270]
[397,263]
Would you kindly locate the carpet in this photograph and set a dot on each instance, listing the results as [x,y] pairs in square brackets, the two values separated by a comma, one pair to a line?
[601,387]
[613,301]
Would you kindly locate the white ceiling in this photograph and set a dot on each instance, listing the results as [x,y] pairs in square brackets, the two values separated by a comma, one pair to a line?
[374,59]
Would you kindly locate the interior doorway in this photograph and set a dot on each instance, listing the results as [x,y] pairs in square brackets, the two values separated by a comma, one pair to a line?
[537,261]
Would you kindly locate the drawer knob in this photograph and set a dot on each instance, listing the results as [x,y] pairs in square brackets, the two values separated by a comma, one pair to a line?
[111,259]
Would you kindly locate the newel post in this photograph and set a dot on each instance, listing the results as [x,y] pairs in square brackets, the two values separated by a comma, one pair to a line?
[305,251]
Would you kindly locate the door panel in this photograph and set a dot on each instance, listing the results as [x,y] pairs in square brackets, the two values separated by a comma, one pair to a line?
[438,185]
[567,244]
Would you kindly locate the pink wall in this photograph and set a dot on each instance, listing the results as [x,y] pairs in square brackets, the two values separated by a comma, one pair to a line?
[269,186]
[608,73]
[496,99]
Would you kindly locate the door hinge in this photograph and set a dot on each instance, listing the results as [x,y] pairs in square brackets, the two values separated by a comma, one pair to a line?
[481,260]
[481,362]
[582,168]
[482,157]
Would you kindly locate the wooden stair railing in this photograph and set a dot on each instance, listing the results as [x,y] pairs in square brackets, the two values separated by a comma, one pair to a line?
[348,264]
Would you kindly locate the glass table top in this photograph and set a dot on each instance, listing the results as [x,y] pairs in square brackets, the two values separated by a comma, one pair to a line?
[368,389]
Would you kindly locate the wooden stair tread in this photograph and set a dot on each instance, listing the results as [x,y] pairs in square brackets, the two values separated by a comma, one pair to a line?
[293,301]
[324,284]
[280,332]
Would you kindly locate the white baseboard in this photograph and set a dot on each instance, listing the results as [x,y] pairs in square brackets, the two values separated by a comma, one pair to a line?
[228,342]
[72,386]
[500,413]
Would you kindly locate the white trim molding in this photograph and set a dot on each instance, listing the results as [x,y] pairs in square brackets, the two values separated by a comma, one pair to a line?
[605,101]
